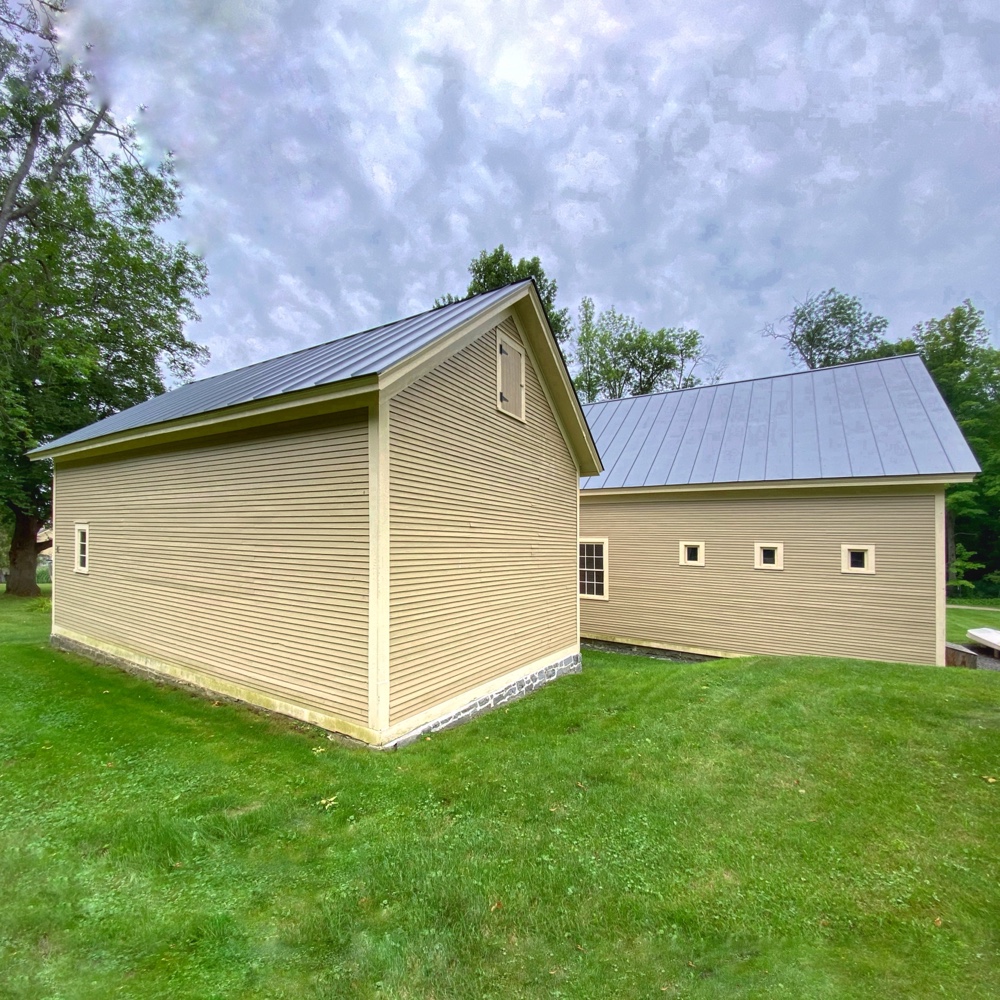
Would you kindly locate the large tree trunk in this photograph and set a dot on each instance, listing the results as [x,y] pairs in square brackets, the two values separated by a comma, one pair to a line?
[24,551]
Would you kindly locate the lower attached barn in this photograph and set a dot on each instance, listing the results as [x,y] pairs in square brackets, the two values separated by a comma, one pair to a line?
[359,535]
[802,514]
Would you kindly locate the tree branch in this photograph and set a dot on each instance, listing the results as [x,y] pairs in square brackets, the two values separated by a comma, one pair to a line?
[54,171]
[17,180]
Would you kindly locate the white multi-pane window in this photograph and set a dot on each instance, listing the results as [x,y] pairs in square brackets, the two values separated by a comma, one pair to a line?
[81,548]
[594,568]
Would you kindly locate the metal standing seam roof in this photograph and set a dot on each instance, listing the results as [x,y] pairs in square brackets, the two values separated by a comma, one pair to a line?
[869,419]
[369,352]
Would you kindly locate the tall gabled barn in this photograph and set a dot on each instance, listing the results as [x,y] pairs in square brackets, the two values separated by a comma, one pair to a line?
[376,535]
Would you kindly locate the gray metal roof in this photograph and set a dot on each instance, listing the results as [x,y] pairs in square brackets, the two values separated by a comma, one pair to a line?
[367,353]
[874,418]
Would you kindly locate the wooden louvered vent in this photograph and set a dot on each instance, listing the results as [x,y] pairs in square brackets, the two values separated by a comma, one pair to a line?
[510,377]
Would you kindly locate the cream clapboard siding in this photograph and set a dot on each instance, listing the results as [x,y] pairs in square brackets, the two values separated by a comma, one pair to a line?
[483,532]
[809,607]
[245,558]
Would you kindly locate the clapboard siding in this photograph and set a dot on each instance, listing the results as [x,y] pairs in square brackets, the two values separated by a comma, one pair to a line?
[483,532]
[809,607]
[245,558]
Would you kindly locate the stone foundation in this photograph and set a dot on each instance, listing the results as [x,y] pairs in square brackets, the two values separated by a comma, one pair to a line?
[520,688]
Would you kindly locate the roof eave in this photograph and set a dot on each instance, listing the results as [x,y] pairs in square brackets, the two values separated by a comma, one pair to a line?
[575,421]
[939,479]
[343,395]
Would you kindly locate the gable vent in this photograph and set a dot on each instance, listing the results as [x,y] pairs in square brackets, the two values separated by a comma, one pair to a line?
[510,377]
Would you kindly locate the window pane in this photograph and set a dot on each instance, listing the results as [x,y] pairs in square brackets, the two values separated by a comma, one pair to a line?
[768,557]
[857,558]
[692,553]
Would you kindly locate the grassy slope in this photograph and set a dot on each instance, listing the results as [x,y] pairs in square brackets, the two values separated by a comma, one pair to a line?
[760,828]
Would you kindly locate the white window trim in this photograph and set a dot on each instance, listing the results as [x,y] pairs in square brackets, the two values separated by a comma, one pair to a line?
[518,349]
[592,541]
[758,555]
[682,558]
[80,526]
[845,559]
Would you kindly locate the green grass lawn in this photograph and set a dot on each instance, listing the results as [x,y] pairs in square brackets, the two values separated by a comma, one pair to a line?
[960,620]
[758,828]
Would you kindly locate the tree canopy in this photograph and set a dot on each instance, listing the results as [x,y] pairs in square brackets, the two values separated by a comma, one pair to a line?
[93,299]
[616,356]
[828,329]
[494,269]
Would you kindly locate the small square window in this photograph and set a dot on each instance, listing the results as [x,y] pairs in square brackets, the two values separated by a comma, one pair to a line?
[593,564]
[857,559]
[81,548]
[692,554]
[769,555]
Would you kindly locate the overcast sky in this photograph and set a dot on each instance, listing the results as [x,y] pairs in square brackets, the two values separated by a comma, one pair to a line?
[694,164]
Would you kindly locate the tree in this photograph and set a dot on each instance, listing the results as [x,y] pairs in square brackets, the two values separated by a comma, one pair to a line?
[494,269]
[93,301]
[958,352]
[617,357]
[829,329]
[966,367]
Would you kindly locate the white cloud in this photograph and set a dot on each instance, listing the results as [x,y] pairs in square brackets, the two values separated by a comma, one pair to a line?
[698,164]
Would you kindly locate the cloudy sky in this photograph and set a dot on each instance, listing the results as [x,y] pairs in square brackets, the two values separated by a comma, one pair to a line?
[703,164]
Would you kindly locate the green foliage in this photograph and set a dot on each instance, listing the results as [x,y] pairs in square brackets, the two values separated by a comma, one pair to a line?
[829,329]
[617,357]
[750,828]
[6,527]
[93,299]
[960,565]
[494,269]
[966,367]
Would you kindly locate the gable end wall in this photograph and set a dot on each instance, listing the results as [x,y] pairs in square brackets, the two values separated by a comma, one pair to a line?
[483,524]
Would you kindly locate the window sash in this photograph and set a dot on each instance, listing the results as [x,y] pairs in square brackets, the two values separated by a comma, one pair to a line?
[592,568]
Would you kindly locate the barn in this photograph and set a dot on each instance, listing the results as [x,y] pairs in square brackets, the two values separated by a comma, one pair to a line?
[357,535]
[800,514]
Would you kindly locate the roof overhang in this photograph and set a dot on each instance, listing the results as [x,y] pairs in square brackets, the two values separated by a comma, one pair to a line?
[786,485]
[346,395]
[522,301]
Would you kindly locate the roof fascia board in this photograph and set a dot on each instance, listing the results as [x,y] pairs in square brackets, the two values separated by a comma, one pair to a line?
[547,392]
[552,372]
[783,485]
[404,373]
[316,401]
